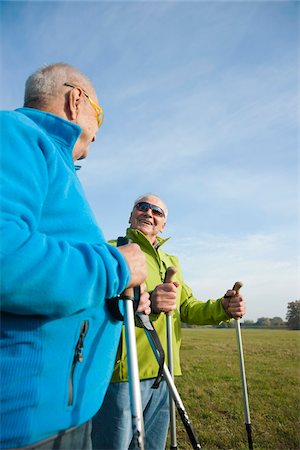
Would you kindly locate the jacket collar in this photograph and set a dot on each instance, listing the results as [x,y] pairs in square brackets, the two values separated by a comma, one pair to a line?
[64,132]
[141,239]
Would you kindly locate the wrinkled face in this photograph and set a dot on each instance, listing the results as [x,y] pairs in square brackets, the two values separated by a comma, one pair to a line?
[149,223]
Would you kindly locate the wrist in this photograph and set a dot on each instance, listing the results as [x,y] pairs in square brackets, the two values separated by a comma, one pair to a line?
[225,303]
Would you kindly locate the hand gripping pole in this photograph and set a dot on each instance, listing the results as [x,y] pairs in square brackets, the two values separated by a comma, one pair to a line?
[237,286]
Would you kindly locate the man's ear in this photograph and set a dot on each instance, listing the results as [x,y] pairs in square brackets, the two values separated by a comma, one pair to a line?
[129,220]
[74,103]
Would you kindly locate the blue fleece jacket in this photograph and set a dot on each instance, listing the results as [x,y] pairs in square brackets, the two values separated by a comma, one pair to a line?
[58,341]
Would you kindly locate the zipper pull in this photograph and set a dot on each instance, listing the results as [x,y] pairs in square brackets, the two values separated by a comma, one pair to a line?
[80,345]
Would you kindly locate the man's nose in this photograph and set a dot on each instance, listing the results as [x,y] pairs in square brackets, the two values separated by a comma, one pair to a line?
[149,212]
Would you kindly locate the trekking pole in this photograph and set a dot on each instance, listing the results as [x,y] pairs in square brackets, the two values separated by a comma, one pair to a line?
[237,286]
[133,371]
[178,402]
[173,439]
[132,362]
[148,327]
[181,410]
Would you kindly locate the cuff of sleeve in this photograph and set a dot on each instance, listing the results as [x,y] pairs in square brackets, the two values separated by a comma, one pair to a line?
[228,315]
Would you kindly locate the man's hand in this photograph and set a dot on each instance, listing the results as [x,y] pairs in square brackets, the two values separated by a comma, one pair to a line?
[234,304]
[163,298]
[136,261]
[144,303]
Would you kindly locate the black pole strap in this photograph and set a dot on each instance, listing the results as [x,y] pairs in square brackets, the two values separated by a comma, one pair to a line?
[113,303]
[156,346]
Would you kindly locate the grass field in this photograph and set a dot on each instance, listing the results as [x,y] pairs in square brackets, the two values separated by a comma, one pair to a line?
[210,388]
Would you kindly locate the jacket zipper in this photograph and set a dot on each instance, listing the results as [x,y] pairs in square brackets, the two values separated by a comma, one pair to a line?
[77,358]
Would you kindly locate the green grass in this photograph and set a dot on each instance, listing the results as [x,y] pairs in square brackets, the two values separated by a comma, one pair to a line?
[210,388]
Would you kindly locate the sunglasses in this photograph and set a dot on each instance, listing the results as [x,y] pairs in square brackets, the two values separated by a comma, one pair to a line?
[97,108]
[145,206]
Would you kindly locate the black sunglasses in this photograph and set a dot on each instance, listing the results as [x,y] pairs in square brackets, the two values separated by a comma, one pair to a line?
[144,206]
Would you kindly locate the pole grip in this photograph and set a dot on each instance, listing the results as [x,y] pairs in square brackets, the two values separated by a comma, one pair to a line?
[170,274]
[171,271]
[237,286]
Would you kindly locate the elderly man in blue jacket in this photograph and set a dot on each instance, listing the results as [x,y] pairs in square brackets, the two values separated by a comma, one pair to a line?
[58,340]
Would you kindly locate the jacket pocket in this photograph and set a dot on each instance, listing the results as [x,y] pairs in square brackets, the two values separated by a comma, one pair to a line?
[77,359]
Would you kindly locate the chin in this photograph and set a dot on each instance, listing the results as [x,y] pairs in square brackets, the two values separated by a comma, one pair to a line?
[80,154]
[144,230]
[142,226]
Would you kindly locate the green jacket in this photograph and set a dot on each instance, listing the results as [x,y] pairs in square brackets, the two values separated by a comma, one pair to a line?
[189,310]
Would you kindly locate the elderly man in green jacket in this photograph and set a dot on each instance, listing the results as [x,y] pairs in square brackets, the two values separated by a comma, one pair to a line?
[112,424]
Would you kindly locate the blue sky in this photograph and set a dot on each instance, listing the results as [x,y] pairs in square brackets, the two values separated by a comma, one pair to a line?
[201,103]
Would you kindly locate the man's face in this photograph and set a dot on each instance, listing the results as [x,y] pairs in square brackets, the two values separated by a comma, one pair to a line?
[87,119]
[149,223]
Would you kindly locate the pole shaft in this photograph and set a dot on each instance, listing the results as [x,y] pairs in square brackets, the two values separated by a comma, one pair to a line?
[171,271]
[133,375]
[173,437]
[181,409]
[242,371]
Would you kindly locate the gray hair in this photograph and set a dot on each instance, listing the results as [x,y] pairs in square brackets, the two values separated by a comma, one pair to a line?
[47,82]
[141,197]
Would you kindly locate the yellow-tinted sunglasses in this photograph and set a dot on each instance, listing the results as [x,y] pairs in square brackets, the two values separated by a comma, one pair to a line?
[95,106]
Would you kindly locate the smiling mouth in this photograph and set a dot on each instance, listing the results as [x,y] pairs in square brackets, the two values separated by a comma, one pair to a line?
[146,222]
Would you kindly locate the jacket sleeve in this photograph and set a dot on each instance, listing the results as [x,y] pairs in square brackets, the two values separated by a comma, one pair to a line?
[196,312]
[41,274]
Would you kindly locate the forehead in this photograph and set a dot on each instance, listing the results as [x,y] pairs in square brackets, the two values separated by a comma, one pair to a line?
[154,201]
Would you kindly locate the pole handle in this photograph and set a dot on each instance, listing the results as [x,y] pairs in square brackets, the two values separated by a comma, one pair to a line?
[237,286]
[171,271]
[170,274]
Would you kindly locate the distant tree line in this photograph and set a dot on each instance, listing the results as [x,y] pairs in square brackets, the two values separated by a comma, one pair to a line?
[265,322]
[293,315]
[292,320]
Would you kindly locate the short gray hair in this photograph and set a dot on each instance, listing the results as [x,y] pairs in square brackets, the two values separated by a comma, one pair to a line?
[141,197]
[47,82]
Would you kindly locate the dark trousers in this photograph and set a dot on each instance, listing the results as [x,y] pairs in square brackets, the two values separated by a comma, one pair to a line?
[78,438]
